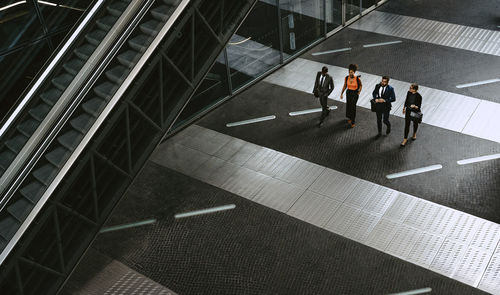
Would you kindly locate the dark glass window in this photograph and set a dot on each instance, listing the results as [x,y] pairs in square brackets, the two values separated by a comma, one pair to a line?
[254,48]
[352,9]
[19,24]
[301,23]
[214,87]
[333,14]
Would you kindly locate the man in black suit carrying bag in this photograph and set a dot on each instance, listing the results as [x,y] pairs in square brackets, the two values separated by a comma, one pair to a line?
[323,86]
[383,95]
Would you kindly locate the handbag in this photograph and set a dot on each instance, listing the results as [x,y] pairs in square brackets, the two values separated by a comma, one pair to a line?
[377,107]
[316,92]
[416,116]
[373,105]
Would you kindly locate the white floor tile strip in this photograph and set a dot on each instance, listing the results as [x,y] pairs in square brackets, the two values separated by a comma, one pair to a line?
[431,31]
[455,244]
[443,109]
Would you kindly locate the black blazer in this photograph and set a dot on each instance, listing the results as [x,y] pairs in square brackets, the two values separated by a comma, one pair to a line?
[418,101]
[327,85]
[389,95]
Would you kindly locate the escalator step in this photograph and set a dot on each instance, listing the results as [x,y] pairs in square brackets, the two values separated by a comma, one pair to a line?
[118,74]
[40,111]
[28,127]
[58,156]
[20,209]
[84,52]
[74,66]
[6,158]
[16,144]
[173,3]
[151,27]
[117,8]
[106,90]
[140,42]
[62,81]
[8,227]
[106,23]
[95,37]
[162,12]
[129,58]
[94,106]
[82,123]
[51,96]
[46,173]
[70,139]
[33,191]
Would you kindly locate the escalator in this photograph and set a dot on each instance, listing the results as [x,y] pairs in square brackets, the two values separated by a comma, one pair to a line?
[69,153]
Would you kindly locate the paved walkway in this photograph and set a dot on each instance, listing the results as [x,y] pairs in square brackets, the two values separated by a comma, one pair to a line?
[444,240]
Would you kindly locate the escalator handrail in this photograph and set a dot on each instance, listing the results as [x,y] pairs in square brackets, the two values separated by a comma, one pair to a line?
[54,131]
[48,69]
[39,141]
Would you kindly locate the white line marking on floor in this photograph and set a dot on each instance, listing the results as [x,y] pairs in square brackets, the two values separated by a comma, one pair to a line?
[418,291]
[251,121]
[414,171]
[331,51]
[478,83]
[478,159]
[382,44]
[129,225]
[297,113]
[205,211]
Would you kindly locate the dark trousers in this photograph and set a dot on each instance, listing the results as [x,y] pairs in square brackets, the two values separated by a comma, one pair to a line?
[352,99]
[384,114]
[325,111]
[407,124]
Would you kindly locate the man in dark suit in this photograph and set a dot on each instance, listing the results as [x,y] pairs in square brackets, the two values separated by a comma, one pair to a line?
[384,95]
[323,86]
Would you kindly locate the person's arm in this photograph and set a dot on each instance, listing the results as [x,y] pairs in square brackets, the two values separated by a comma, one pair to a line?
[360,85]
[406,101]
[375,92]
[392,96]
[418,103]
[343,88]
[331,86]
[316,82]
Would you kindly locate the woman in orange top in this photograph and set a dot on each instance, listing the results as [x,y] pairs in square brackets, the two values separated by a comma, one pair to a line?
[353,85]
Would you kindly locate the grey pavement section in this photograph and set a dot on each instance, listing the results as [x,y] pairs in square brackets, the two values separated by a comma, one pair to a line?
[426,64]
[97,273]
[251,249]
[476,13]
[473,189]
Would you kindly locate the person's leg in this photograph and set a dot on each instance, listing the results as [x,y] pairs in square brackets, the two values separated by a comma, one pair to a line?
[379,122]
[415,127]
[386,121]
[407,125]
[324,107]
[348,106]
[353,107]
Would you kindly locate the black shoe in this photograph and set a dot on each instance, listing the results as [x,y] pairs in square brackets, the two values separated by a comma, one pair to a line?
[319,124]
[378,135]
[388,130]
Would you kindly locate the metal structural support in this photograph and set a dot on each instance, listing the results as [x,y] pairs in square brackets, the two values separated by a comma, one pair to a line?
[280,31]
[157,93]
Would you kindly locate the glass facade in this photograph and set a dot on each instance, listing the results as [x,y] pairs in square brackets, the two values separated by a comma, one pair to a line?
[274,32]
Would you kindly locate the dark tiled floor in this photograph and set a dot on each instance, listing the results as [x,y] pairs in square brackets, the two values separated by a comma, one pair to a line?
[472,188]
[249,250]
[427,64]
[477,13]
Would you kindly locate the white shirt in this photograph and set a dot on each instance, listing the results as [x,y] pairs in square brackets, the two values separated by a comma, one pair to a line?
[381,90]
[322,80]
